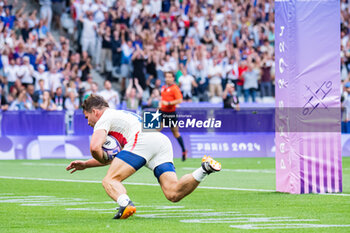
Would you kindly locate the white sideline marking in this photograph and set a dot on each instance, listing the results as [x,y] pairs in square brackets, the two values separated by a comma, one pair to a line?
[129,183]
[247,220]
[283,226]
[178,211]
[69,203]
[89,209]
[148,184]
[197,214]
[47,201]
[240,170]
[45,164]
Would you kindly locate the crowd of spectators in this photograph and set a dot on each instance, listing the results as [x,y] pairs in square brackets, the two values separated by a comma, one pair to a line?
[345,62]
[206,44]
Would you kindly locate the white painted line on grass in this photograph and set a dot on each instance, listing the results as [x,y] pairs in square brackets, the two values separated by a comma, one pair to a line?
[45,164]
[90,209]
[283,226]
[148,184]
[196,214]
[239,170]
[246,220]
[129,183]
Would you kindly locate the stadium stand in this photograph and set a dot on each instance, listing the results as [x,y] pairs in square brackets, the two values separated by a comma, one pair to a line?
[67,43]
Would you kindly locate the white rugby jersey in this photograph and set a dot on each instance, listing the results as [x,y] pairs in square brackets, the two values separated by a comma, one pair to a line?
[120,124]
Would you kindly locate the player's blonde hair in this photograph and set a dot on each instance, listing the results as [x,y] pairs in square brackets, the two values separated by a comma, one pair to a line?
[94,101]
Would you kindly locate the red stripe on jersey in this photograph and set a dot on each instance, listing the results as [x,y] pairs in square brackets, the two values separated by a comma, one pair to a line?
[135,141]
[120,137]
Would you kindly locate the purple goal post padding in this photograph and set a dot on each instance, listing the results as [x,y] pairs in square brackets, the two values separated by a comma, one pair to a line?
[307,56]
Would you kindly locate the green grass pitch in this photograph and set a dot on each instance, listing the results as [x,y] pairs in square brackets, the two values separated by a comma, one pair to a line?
[238,199]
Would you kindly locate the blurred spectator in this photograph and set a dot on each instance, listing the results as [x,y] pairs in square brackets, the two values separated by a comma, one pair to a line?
[106,54]
[46,12]
[46,102]
[346,102]
[3,101]
[93,90]
[230,97]
[116,50]
[250,86]
[55,79]
[133,94]
[138,62]
[22,102]
[155,98]
[58,7]
[30,92]
[59,99]
[127,51]
[85,66]
[71,87]
[111,96]
[215,79]
[71,102]
[88,36]
[265,84]
[10,73]
[187,83]
[38,94]
[25,72]
[41,74]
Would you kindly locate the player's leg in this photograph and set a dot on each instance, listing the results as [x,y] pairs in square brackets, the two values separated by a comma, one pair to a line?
[164,170]
[118,171]
[176,133]
[124,165]
[174,189]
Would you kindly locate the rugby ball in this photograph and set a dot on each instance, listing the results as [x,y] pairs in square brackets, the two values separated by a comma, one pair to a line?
[111,147]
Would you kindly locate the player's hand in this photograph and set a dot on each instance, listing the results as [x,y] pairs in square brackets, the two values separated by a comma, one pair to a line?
[76,165]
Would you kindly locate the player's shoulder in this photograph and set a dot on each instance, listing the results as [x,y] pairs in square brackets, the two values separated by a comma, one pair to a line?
[174,87]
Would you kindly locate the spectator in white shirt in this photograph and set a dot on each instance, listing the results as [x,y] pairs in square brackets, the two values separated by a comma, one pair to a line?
[41,74]
[88,36]
[232,71]
[28,72]
[133,95]
[54,79]
[186,83]
[71,103]
[10,73]
[215,79]
[111,96]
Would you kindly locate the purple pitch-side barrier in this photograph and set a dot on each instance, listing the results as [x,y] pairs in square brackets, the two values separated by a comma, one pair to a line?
[307,35]
[32,123]
[199,144]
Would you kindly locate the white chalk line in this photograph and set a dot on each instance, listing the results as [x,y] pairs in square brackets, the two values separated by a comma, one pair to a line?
[45,164]
[148,184]
[47,201]
[247,220]
[179,212]
[130,183]
[283,226]
[240,170]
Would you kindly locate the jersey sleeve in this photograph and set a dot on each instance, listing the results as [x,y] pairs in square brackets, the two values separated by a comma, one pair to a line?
[103,124]
[177,93]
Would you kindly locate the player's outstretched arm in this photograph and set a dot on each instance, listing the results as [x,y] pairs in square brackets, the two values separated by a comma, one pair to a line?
[81,165]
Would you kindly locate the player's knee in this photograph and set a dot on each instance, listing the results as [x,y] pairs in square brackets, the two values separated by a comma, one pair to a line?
[106,182]
[173,197]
